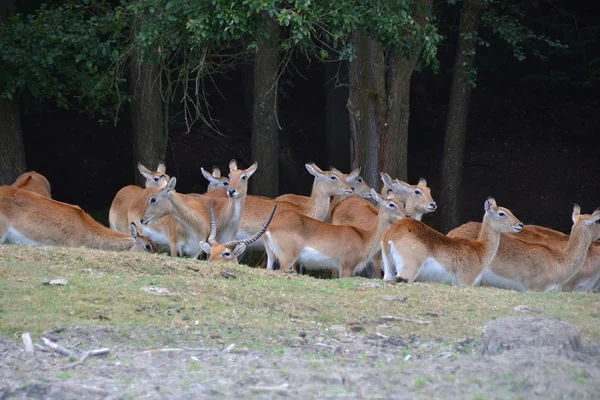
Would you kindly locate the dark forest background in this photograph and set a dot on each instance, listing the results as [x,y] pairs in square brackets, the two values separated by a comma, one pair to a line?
[532,131]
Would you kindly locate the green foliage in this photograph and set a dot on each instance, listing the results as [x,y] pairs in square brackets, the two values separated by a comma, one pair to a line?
[63,54]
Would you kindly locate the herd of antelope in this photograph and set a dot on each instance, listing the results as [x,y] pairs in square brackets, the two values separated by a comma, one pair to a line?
[343,226]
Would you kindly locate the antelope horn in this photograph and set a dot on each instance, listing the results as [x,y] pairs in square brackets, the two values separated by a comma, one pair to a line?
[253,238]
[213,225]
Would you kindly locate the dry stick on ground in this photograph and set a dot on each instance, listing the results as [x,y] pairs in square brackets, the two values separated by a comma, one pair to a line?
[27,342]
[57,348]
[414,321]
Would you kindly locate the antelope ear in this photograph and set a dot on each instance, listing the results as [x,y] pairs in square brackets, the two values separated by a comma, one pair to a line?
[595,217]
[386,179]
[133,230]
[171,185]
[576,212]
[144,171]
[216,172]
[422,182]
[334,169]
[205,247]
[232,165]
[490,204]
[375,196]
[353,175]
[162,168]
[313,170]
[239,250]
[251,169]
[208,176]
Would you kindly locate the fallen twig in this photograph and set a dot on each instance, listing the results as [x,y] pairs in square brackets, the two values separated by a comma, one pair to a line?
[57,348]
[27,342]
[84,389]
[414,321]
[41,348]
[229,348]
[281,388]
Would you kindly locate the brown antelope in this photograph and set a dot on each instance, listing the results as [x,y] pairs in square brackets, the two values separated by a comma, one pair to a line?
[34,182]
[191,211]
[117,216]
[293,237]
[215,180]
[256,210]
[413,250]
[28,218]
[541,259]
[229,251]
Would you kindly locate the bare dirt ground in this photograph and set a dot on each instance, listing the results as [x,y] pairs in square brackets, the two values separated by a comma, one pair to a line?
[346,364]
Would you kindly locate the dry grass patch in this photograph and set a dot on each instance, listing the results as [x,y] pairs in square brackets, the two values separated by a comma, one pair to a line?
[254,309]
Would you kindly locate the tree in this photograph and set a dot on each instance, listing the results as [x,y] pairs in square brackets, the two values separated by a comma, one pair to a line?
[12,151]
[265,127]
[388,43]
[456,120]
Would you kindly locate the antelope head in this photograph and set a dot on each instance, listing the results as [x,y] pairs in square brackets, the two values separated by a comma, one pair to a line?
[416,198]
[500,218]
[159,203]
[361,188]
[232,250]
[216,181]
[330,183]
[591,222]
[238,179]
[141,242]
[154,179]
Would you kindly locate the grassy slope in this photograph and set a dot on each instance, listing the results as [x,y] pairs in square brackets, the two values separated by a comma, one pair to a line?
[255,309]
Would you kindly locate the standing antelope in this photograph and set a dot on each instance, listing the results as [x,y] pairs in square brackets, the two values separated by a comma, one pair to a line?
[28,218]
[231,250]
[191,211]
[414,250]
[293,237]
[34,182]
[540,259]
[215,180]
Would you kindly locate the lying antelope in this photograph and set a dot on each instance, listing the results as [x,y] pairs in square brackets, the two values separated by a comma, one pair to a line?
[293,237]
[229,251]
[28,218]
[117,216]
[256,209]
[412,250]
[540,259]
[34,182]
[191,211]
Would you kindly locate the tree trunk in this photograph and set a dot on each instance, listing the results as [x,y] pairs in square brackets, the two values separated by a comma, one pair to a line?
[336,116]
[12,150]
[379,105]
[265,128]
[150,131]
[456,123]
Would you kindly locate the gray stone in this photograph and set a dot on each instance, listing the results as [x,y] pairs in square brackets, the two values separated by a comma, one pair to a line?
[531,332]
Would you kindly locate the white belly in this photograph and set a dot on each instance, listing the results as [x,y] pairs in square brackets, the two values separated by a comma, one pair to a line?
[489,278]
[15,237]
[312,259]
[433,271]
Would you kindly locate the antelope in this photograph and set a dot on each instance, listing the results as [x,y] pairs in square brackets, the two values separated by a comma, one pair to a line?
[28,218]
[257,208]
[229,251]
[34,182]
[215,180]
[117,216]
[541,259]
[414,250]
[293,237]
[191,210]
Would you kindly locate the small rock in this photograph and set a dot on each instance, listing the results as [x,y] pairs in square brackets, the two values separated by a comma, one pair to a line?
[56,282]
[228,275]
[400,299]
[525,309]
[302,334]
[433,314]
[156,290]
[356,327]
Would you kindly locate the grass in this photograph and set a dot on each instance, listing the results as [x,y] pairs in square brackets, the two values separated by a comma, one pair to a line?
[259,308]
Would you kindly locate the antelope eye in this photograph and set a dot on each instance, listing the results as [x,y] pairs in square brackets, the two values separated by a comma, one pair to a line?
[226,184]
[152,200]
[148,247]
[226,254]
[392,205]
[156,179]
[359,180]
[502,214]
[244,177]
[333,178]
[418,192]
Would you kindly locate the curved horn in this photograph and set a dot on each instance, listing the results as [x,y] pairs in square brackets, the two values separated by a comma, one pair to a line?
[253,238]
[213,225]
